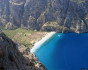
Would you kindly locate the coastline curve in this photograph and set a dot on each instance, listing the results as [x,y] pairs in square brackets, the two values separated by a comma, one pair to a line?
[42,41]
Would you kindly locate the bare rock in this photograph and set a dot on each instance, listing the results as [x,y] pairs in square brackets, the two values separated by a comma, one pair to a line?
[12,59]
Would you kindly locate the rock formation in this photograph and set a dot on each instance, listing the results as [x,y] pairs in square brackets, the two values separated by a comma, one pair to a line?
[16,57]
[71,15]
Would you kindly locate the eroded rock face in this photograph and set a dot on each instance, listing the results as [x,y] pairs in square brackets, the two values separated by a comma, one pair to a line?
[11,58]
[67,13]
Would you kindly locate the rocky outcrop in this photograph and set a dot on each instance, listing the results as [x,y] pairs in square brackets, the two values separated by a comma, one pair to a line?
[34,14]
[10,25]
[52,26]
[16,57]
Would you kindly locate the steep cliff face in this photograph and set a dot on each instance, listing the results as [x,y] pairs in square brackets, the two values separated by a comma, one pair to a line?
[71,15]
[16,11]
[16,57]
[4,11]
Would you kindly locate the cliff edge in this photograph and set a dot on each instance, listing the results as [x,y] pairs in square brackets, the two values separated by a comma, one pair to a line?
[16,57]
[47,15]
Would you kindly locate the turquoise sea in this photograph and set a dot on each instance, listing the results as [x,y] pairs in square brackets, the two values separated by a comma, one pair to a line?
[64,52]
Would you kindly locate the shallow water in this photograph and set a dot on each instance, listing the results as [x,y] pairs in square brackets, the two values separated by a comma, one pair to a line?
[65,52]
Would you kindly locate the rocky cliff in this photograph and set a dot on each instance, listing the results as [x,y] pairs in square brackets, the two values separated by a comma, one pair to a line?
[68,15]
[16,57]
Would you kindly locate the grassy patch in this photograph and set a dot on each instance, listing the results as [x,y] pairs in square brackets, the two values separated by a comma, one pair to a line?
[26,37]
[12,33]
[1,27]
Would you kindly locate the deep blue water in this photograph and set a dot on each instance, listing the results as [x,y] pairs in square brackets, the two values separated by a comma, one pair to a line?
[65,52]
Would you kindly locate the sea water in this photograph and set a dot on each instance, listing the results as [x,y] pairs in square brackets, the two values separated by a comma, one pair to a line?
[65,52]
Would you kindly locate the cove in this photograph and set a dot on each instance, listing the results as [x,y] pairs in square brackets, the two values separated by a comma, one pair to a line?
[64,52]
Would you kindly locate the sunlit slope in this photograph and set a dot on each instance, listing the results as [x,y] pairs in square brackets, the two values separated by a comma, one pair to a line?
[79,1]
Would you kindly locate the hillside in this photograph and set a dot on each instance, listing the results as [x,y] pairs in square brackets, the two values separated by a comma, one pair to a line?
[16,57]
[70,15]
[25,37]
[79,1]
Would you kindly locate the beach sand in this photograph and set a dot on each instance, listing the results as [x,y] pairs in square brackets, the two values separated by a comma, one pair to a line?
[44,39]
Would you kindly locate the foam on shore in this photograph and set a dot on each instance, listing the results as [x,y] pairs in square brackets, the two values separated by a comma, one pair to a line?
[44,39]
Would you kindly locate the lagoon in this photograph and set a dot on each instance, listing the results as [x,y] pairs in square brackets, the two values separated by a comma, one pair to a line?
[64,52]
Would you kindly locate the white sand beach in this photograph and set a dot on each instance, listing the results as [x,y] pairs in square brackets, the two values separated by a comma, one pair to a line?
[44,39]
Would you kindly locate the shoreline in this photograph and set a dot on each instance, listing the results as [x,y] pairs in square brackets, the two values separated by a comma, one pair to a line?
[44,39]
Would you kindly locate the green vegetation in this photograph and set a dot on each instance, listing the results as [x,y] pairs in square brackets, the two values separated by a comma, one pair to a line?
[51,22]
[26,37]
[1,27]
[79,1]
[19,35]
[12,33]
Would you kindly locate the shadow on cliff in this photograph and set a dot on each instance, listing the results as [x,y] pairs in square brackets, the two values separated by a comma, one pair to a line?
[82,11]
[11,58]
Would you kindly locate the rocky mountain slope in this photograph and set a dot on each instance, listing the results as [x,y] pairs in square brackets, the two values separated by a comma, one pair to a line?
[16,57]
[47,15]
